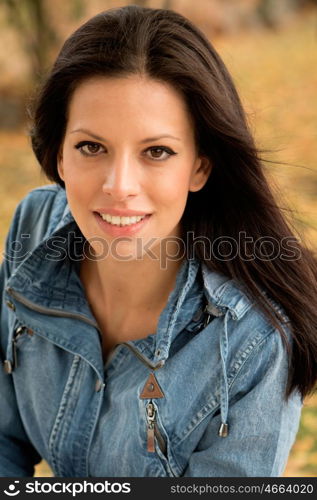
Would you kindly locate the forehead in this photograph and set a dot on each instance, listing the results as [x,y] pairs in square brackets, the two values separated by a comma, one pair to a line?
[132,98]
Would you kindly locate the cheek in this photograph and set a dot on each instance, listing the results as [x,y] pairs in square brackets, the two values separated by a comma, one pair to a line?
[80,183]
[74,183]
[79,192]
[172,190]
[73,165]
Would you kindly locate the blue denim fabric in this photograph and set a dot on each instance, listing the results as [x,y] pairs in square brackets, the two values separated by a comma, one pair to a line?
[226,365]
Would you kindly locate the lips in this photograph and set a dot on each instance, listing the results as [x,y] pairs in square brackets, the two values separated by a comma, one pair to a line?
[120,212]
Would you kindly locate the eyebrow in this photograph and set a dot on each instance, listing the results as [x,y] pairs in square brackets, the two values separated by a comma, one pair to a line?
[149,139]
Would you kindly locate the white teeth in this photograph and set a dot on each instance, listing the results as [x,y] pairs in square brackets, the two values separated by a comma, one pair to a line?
[116,220]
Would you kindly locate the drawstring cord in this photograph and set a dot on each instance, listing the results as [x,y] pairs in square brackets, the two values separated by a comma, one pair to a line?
[224,393]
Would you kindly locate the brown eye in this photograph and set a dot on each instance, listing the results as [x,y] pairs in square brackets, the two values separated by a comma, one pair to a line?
[92,148]
[88,148]
[157,153]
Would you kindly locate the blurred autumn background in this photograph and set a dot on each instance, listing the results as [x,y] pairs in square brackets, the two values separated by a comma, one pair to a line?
[270,47]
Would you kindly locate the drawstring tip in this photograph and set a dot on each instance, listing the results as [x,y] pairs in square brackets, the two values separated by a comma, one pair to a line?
[223,430]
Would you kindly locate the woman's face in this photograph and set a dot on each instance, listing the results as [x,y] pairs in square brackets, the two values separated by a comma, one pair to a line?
[128,161]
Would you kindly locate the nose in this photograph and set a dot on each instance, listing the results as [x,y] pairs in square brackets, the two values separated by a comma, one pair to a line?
[121,179]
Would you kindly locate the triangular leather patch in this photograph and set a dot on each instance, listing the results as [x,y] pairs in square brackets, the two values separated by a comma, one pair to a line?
[151,389]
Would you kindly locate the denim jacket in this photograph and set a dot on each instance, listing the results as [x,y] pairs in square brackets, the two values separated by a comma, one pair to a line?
[203,396]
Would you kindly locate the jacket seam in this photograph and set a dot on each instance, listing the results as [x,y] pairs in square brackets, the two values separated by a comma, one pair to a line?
[214,405]
[60,414]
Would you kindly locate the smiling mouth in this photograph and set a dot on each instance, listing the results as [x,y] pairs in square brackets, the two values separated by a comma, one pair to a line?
[116,220]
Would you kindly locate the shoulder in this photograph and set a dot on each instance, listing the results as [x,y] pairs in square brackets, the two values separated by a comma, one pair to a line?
[37,216]
[225,294]
[250,339]
[257,351]
[39,213]
[44,205]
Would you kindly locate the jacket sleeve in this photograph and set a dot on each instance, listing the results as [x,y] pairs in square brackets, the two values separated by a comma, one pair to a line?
[262,423]
[17,455]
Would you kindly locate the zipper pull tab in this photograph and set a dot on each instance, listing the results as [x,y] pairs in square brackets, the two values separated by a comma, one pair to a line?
[211,311]
[150,415]
[17,334]
[15,355]
[207,316]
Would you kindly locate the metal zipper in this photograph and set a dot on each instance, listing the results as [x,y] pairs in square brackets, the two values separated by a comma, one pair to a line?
[204,315]
[65,314]
[17,334]
[51,312]
[48,310]
[211,311]
[142,358]
[153,430]
[208,316]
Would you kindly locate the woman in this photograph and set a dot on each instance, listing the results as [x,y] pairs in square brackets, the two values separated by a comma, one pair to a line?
[158,316]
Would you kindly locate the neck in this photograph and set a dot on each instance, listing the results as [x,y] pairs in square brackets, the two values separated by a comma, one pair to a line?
[134,285]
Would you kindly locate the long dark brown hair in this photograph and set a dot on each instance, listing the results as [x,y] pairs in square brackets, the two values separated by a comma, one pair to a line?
[236,200]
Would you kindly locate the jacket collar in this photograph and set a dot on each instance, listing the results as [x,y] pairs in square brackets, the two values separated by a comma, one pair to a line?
[54,284]
[225,293]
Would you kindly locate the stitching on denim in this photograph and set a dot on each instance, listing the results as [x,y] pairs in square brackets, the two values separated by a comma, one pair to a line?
[214,404]
[174,312]
[90,428]
[64,345]
[240,295]
[172,462]
[57,464]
